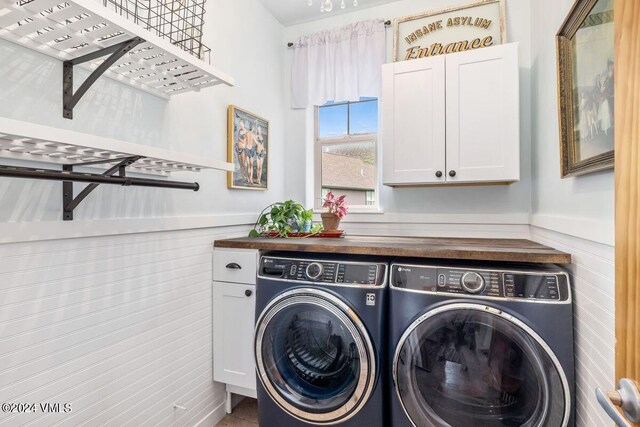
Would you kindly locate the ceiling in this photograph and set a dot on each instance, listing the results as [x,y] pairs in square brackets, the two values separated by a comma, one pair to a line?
[290,12]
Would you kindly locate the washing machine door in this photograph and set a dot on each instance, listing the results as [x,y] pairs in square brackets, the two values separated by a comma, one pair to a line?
[467,365]
[314,356]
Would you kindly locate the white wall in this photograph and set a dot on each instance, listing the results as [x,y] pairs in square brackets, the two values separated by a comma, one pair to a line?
[120,327]
[482,202]
[246,42]
[592,277]
[574,215]
[586,201]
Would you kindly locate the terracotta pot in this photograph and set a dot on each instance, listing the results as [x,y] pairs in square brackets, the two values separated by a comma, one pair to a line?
[330,221]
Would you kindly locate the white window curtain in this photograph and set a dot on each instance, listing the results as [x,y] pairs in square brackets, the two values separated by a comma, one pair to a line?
[338,65]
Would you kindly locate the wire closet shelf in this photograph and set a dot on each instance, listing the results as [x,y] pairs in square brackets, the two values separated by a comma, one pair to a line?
[179,21]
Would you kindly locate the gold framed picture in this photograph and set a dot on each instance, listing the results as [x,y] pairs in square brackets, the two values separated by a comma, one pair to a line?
[454,29]
[585,45]
[247,149]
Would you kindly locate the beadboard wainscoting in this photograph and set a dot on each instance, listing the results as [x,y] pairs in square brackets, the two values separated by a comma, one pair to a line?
[592,273]
[501,226]
[118,326]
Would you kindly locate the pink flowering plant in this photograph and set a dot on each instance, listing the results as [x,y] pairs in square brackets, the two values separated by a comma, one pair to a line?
[336,205]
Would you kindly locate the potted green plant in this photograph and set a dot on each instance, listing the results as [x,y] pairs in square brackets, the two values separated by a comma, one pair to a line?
[306,221]
[337,208]
[278,219]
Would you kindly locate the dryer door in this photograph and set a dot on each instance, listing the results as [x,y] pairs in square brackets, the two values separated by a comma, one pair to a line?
[314,356]
[467,365]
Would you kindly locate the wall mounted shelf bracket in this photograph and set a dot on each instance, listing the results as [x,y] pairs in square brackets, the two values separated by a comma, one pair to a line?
[115,52]
[69,203]
[68,176]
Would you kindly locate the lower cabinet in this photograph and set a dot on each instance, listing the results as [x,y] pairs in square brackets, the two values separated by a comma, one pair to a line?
[233,325]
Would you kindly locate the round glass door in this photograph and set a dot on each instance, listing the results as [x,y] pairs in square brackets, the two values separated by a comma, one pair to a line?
[471,365]
[314,356]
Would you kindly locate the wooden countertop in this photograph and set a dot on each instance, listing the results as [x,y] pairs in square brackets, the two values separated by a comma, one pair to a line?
[509,250]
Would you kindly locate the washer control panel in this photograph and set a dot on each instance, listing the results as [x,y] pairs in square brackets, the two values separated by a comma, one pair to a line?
[472,282]
[322,271]
[543,285]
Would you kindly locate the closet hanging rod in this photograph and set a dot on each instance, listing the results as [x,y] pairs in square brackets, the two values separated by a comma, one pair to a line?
[387,23]
[92,178]
[116,175]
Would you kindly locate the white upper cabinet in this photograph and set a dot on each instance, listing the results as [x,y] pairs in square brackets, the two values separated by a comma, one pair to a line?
[483,123]
[453,118]
[413,105]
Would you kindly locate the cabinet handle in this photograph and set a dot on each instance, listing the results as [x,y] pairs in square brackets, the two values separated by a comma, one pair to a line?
[234,266]
[248,292]
[439,174]
[452,173]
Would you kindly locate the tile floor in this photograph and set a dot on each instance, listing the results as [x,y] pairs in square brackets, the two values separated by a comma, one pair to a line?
[243,415]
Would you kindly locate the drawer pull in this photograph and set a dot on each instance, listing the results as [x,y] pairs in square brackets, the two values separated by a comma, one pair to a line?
[234,266]
[248,292]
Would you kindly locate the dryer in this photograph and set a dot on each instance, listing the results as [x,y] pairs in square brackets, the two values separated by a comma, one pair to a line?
[480,345]
[319,340]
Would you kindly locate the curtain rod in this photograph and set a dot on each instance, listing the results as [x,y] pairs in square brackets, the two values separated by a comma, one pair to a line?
[386,24]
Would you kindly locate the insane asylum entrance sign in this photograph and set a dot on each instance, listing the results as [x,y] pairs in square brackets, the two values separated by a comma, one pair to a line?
[473,26]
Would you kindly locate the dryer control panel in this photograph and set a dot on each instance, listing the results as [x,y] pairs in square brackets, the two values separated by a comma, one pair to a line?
[323,271]
[542,285]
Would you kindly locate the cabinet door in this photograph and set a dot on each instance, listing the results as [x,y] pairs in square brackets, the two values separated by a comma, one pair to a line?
[233,325]
[483,124]
[413,103]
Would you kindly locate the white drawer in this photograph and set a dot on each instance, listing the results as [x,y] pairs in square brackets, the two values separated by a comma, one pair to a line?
[235,265]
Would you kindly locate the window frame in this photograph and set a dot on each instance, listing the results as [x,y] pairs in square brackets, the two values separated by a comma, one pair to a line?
[338,140]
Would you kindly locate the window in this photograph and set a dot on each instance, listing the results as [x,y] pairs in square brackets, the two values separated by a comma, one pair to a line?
[370,198]
[346,151]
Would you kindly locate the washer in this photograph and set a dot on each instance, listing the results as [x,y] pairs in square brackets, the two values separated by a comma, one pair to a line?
[480,346]
[320,331]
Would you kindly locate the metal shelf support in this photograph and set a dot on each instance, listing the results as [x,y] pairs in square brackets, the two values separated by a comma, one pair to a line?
[69,203]
[68,176]
[115,52]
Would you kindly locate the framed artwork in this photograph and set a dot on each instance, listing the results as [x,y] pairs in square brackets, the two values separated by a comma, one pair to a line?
[248,150]
[454,29]
[585,45]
